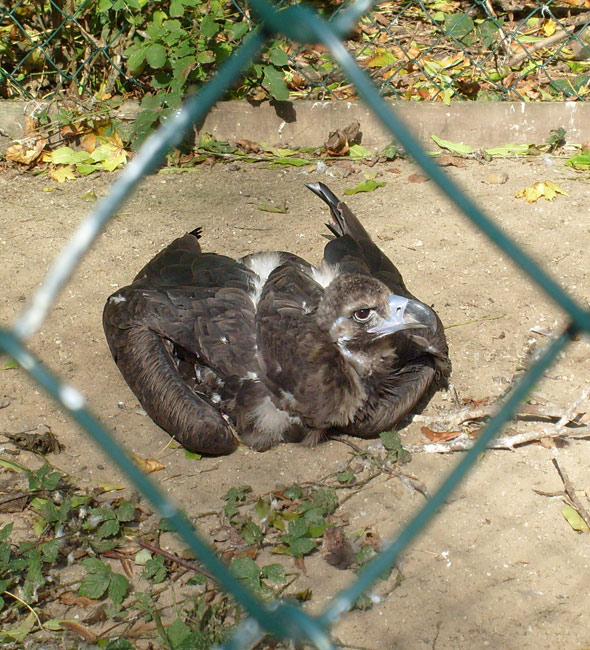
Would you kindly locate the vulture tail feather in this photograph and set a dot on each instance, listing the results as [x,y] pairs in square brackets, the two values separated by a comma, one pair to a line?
[353,244]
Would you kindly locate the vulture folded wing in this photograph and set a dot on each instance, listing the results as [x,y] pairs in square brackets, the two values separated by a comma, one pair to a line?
[184,313]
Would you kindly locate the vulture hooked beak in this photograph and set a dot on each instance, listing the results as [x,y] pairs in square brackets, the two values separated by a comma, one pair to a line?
[405,313]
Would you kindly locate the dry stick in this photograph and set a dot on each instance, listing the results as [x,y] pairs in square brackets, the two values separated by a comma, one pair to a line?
[464,442]
[550,40]
[187,564]
[569,489]
[459,417]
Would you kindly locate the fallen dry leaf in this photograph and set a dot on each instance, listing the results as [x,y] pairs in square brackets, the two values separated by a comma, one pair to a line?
[88,142]
[27,151]
[338,550]
[440,436]
[70,598]
[417,178]
[450,161]
[147,465]
[84,632]
[497,178]
[546,189]
[247,146]
[338,142]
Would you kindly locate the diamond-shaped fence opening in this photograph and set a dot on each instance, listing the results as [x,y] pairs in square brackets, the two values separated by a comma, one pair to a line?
[302,26]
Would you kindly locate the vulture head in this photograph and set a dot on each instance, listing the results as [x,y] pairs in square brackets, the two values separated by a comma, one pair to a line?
[362,315]
[269,348]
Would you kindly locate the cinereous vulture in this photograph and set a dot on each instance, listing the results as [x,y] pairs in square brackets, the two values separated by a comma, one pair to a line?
[271,348]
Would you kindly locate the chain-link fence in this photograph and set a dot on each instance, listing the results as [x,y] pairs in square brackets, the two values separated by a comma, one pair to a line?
[302,26]
[437,50]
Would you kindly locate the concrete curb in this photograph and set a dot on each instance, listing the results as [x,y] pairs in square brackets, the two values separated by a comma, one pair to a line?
[307,123]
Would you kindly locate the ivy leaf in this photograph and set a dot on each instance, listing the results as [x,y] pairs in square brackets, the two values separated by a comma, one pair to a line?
[209,27]
[274,82]
[176,8]
[118,588]
[155,55]
[108,528]
[126,511]
[459,25]
[274,572]
[248,571]
[302,546]
[94,585]
[278,57]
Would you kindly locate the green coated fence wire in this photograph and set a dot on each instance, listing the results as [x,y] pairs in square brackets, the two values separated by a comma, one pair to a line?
[282,620]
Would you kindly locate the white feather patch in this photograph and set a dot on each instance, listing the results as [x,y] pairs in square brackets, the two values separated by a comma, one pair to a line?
[268,419]
[117,299]
[324,274]
[263,264]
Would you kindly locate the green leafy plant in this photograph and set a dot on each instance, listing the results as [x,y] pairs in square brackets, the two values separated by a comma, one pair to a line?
[100,579]
[180,47]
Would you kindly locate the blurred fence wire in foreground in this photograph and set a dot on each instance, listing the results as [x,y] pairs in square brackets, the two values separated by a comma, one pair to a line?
[300,25]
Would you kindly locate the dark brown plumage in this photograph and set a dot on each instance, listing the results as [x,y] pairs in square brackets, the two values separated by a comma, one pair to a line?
[272,348]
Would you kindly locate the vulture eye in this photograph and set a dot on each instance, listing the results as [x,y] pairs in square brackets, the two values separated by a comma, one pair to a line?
[362,315]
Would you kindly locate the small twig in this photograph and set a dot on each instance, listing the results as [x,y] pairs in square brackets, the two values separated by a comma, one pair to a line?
[22,602]
[475,320]
[550,40]
[187,564]
[569,489]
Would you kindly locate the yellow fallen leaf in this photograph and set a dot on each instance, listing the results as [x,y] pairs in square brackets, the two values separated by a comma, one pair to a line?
[574,519]
[549,27]
[147,465]
[62,173]
[546,189]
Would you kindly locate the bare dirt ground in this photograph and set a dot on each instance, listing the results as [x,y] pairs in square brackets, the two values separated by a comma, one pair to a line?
[499,567]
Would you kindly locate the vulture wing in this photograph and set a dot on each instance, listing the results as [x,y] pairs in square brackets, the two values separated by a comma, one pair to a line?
[178,332]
